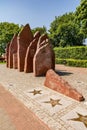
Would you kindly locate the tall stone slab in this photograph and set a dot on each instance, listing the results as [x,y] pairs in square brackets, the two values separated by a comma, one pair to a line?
[43,59]
[30,54]
[7,55]
[24,39]
[12,49]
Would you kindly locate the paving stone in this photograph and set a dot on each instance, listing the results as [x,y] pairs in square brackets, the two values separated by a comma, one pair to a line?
[55,117]
[18,113]
[72,118]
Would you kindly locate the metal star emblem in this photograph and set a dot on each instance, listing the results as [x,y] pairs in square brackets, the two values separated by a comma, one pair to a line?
[53,102]
[81,118]
[36,92]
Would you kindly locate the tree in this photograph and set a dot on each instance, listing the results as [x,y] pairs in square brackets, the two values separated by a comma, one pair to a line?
[65,32]
[7,30]
[69,35]
[42,30]
[81,17]
[60,20]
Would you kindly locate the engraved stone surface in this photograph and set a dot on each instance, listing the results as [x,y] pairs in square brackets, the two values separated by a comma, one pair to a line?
[46,100]
[77,118]
[43,59]
[35,92]
[53,102]
[58,84]
[12,49]
[81,118]
[24,39]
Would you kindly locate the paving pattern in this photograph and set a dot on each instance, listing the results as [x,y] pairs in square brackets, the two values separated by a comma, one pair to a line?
[15,116]
[59,112]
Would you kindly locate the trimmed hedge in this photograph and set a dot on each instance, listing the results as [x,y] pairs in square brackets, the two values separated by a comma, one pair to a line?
[71,53]
[72,62]
[71,56]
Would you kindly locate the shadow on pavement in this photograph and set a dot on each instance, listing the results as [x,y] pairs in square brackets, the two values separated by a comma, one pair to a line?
[62,72]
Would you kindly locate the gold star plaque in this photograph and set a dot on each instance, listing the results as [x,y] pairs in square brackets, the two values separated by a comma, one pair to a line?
[36,92]
[81,118]
[53,102]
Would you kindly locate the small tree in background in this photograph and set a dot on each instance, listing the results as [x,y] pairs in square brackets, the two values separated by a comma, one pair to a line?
[7,30]
[42,30]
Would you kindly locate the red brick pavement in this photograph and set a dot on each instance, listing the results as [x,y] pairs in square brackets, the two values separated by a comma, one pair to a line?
[20,116]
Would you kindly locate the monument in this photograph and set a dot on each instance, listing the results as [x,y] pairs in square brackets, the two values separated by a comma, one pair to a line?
[30,53]
[31,50]
[12,50]
[33,53]
[55,82]
[43,59]
[24,39]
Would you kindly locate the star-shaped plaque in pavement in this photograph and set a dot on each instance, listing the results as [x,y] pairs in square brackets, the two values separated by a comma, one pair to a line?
[36,92]
[81,118]
[53,102]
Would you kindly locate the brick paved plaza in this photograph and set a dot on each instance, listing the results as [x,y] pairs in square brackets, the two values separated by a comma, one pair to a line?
[26,104]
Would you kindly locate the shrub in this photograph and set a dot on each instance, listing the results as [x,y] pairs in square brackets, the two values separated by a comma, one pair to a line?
[71,53]
[72,62]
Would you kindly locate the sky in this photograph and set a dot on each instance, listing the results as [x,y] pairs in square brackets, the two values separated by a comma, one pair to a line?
[37,13]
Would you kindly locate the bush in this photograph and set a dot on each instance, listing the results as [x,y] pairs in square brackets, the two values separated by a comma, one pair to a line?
[71,53]
[72,62]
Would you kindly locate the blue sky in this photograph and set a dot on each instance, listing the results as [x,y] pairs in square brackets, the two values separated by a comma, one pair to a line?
[35,12]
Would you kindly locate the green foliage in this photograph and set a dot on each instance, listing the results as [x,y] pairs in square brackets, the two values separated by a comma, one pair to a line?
[2,48]
[81,16]
[65,32]
[2,62]
[71,52]
[72,62]
[7,30]
[42,30]
[72,56]
[69,35]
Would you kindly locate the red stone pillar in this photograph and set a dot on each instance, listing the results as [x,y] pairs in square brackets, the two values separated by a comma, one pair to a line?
[24,39]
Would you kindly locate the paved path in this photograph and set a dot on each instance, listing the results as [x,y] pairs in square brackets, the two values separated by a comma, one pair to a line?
[76,76]
[15,116]
[67,114]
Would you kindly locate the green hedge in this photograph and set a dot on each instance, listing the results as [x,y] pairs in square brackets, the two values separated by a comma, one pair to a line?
[72,62]
[71,53]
